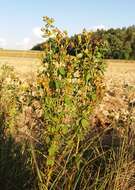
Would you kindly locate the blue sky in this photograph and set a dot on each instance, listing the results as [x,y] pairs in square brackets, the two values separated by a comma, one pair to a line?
[20,20]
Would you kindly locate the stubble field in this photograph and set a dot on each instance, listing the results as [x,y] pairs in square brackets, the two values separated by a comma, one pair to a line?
[116,111]
[118,71]
[119,80]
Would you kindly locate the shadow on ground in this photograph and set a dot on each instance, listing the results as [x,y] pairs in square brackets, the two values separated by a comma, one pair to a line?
[15,171]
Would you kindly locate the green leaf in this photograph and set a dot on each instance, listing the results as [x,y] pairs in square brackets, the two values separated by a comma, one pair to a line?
[93,96]
[50,161]
[62,71]
[67,100]
[55,84]
[47,140]
[52,150]
[78,161]
[52,84]
[64,129]
[84,123]
[87,77]
[79,38]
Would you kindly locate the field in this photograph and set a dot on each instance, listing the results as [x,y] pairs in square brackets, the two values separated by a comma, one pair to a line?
[120,88]
[120,70]
[104,159]
[119,77]
[119,80]
[24,63]
[20,53]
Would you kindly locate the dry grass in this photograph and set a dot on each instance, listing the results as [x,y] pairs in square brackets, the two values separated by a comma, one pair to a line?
[20,53]
[25,67]
[119,79]
[120,71]
[26,62]
[107,155]
[119,76]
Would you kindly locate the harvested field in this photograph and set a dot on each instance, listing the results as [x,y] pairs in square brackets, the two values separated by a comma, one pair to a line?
[120,92]
[20,53]
[119,79]
[24,66]
[116,111]
[24,62]
[121,71]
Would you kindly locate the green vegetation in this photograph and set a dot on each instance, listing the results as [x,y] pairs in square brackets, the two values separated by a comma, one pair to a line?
[120,42]
[47,137]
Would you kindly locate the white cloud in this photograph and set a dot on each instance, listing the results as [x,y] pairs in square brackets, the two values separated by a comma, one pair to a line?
[37,32]
[3,42]
[29,42]
[24,44]
[101,26]
[26,40]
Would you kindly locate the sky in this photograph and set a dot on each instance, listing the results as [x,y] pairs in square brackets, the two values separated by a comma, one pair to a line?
[21,20]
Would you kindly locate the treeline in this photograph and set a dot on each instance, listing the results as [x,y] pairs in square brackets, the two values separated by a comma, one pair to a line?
[120,42]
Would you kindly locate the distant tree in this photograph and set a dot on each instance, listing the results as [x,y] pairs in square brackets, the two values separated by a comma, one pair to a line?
[37,47]
[120,43]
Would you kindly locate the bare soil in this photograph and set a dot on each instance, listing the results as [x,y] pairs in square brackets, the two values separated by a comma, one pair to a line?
[119,101]
[119,79]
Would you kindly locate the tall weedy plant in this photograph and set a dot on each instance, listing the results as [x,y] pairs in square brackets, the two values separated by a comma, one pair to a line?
[70,86]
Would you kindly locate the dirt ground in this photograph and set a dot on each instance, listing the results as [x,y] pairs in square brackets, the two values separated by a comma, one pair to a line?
[119,98]
[119,79]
